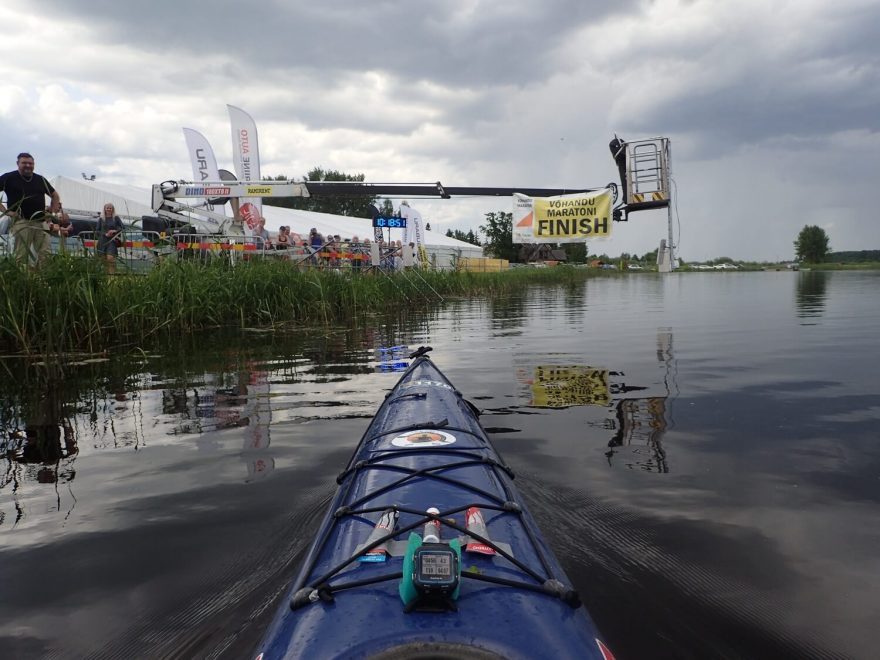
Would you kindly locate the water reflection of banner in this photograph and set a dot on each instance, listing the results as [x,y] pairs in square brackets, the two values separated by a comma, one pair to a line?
[641,419]
[246,406]
[562,219]
[392,358]
[259,415]
[643,422]
[558,386]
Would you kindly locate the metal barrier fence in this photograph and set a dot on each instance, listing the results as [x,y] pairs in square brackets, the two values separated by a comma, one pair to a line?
[57,245]
[135,250]
[138,251]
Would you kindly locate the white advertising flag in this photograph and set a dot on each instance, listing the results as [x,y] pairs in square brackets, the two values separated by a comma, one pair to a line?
[201,155]
[204,163]
[246,159]
[414,232]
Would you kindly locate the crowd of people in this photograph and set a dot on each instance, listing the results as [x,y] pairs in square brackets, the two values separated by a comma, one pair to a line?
[26,216]
[335,251]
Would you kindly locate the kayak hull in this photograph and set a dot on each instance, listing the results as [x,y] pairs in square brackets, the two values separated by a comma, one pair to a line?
[425,448]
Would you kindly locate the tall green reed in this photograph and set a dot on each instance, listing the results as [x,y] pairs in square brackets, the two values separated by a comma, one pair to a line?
[73,304]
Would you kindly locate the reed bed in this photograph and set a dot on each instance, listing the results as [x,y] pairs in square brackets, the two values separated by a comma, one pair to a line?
[73,304]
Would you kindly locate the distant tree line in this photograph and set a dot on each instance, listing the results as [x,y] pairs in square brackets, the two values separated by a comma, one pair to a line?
[467,236]
[854,256]
[355,206]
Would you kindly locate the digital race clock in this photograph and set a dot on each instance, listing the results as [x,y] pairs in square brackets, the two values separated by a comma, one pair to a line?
[393,223]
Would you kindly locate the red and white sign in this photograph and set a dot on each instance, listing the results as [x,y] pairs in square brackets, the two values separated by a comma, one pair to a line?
[246,161]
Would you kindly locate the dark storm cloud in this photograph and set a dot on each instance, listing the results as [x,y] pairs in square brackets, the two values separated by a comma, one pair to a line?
[776,82]
[444,42]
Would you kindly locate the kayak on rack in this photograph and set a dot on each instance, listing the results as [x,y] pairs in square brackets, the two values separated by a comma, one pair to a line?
[428,551]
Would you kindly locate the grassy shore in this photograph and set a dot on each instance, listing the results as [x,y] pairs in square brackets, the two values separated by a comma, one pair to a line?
[73,304]
[857,265]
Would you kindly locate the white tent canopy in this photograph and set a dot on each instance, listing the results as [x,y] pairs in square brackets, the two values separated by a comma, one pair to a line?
[89,197]
[85,196]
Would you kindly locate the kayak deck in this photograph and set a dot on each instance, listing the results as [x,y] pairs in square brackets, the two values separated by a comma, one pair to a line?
[425,448]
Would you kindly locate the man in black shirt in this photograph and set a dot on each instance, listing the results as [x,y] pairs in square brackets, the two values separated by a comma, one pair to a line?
[26,205]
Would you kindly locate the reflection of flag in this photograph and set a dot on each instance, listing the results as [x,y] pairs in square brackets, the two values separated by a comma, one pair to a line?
[259,468]
[258,411]
[246,160]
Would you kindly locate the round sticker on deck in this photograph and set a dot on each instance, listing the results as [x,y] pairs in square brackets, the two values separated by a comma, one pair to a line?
[423,438]
[428,383]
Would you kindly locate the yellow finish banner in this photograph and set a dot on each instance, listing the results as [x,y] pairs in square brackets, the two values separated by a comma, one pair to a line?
[562,219]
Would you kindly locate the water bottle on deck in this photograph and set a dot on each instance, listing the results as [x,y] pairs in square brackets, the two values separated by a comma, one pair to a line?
[432,528]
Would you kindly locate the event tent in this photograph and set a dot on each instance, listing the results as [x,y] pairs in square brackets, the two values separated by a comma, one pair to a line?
[85,196]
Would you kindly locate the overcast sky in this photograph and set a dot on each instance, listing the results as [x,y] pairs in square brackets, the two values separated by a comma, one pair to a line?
[772,106]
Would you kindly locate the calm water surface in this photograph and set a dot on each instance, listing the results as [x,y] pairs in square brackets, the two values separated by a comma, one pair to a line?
[701,449]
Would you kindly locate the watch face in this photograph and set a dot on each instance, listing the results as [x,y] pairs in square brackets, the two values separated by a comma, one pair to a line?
[435,569]
[436,564]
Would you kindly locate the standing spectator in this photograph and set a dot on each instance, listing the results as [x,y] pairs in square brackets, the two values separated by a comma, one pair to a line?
[332,251]
[316,242]
[264,241]
[62,228]
[339,249]
[366,250]
[397,255]
[108,230]
[26,194]
[345,253]
[355,250]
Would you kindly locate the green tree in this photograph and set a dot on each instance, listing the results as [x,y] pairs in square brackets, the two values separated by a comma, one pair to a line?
[459,235]
[356,206]
[576,252]
[499,235]
[811,245]
[386,208]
